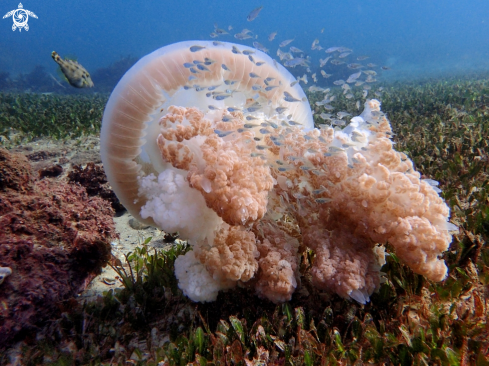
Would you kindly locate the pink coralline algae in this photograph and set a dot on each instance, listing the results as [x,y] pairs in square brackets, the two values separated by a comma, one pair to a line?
[54,239]
[235,165]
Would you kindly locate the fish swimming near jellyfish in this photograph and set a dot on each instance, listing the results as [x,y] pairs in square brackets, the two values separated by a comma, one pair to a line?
[254,13]
[75,73]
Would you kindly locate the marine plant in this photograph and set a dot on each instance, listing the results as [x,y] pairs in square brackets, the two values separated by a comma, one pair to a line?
[24,117]
[410,321]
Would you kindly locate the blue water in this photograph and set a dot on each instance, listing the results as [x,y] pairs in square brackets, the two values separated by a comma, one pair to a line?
[415,38]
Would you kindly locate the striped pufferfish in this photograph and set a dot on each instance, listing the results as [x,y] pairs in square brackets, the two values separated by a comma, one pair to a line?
[75,73]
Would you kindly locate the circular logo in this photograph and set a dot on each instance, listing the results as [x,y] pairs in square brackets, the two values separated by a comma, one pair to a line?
[20,18]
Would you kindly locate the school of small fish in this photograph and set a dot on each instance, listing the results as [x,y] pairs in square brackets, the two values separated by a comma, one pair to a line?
[356,79]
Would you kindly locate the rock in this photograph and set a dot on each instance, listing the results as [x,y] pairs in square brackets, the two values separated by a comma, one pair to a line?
[54,238]
[136,225]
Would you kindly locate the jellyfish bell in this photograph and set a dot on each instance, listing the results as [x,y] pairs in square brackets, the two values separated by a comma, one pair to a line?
[212,77]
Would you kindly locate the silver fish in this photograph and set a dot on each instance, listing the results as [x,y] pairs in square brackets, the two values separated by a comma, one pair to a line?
[290,98]
[332,49]
[295,62]
[271,37]
[196,48]
[242,36]
[286,42]
[295,50]
[254,13]
[260,47]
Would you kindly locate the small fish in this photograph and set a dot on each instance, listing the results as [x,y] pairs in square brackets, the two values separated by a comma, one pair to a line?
[211,107]
[250,125]
[325,115]
[242,36]
[196,48]
[214,87]
[272,35]
[337,62]
[343,55]
[259,63]
[254,13]
[295,62]
[253,108]
[188,65]
[361,58]
[342,114]
[75,73]
[232,109]
[286,42]
[253,75]
[220,31]
[248,52]
[226,119]
[222,133]
[349,96]
[323,73]
[235,50]
[268,88]
[201,67]
[354,66]
[371,65]
[256,87]
[225,67]
[339,82]
[385,68]
[260,47]
[290,98]
[332,49]
[217,43]
[353,77]
[281,110]
[295,50]
[323,200]
[323,62]
[221,96]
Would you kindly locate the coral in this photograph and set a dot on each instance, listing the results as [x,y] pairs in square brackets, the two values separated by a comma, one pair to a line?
[54,238]
[253,190]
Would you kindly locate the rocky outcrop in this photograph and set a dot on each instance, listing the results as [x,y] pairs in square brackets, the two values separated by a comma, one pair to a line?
[53,237]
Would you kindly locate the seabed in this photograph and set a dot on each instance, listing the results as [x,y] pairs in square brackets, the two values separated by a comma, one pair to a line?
[134,313]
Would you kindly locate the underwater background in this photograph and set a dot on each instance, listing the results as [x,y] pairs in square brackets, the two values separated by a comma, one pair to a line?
[118,302]
[414,38]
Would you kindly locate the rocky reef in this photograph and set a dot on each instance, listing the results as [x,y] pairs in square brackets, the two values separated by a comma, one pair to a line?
[54,239]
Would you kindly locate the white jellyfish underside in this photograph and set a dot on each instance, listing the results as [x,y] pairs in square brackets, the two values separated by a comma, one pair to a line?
[216,141]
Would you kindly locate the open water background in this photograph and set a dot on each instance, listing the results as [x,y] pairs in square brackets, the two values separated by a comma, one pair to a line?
[415,38]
